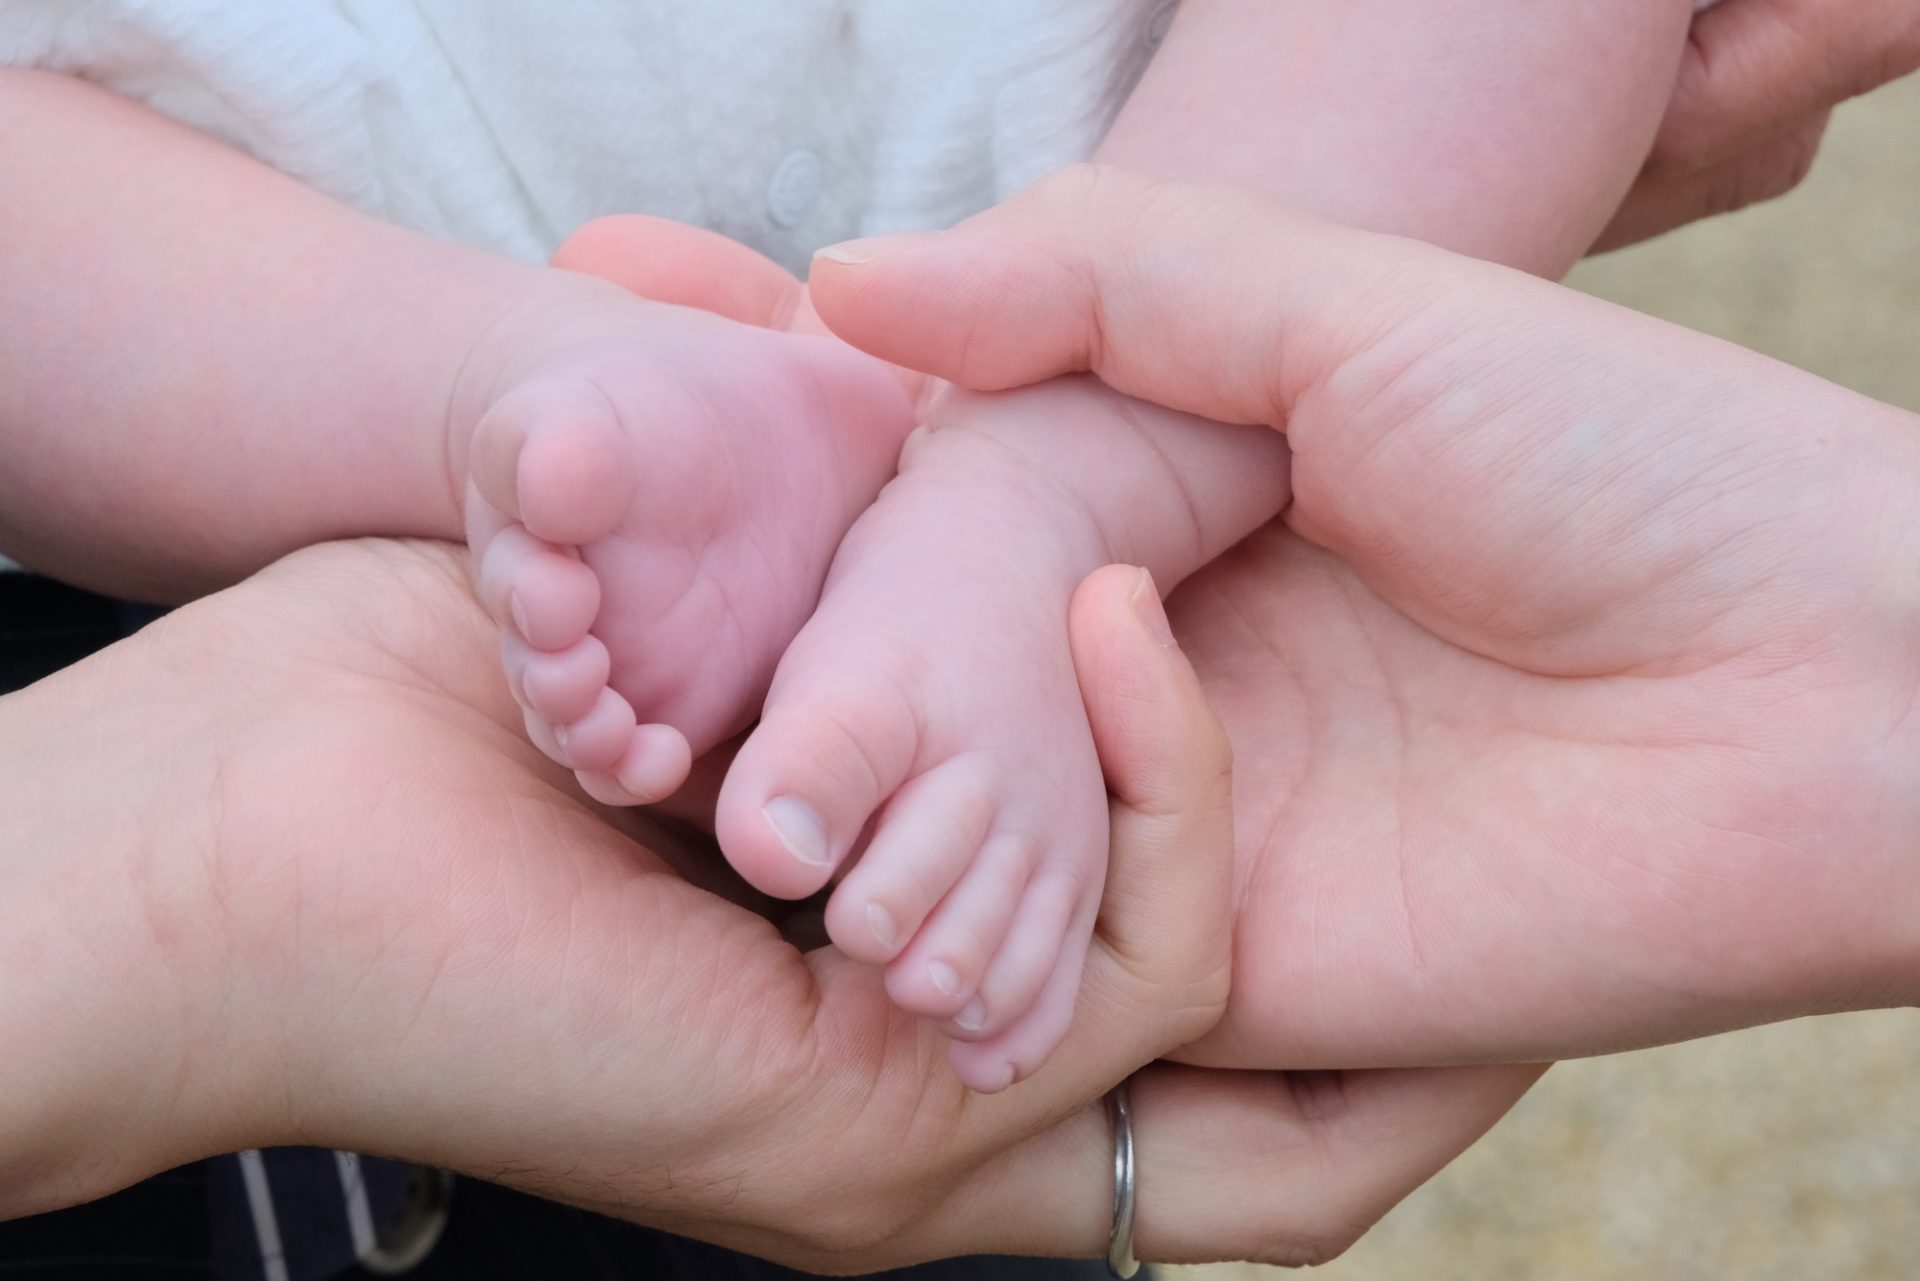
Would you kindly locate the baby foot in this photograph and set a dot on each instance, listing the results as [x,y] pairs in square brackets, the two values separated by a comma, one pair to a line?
[926,727]
[653,497]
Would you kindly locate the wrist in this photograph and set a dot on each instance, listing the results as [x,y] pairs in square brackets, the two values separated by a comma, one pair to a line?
[116,1010]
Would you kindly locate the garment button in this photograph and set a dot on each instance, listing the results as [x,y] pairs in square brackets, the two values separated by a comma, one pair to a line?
[795,188]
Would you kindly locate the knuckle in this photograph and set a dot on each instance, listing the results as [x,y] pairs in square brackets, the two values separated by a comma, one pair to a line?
[1768,174]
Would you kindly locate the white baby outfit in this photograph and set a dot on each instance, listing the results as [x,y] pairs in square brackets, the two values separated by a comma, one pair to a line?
[787,124]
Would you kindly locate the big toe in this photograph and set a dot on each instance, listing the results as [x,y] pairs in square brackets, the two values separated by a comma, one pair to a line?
[553,454]
[807,782]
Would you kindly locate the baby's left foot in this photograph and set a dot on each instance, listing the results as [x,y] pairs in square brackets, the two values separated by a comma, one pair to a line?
[654,495]
[928,720]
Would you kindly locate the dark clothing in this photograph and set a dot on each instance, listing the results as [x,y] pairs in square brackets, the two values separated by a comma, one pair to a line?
[189,1226]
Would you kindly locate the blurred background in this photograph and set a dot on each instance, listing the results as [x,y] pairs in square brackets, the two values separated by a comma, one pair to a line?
[1789,1153]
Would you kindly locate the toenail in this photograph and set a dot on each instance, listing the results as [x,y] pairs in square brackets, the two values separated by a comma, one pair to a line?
[852,253]
[560,737]
[944,977]
[880,921]
[519,612]
[799,829]
[973,1018]
[1145,599]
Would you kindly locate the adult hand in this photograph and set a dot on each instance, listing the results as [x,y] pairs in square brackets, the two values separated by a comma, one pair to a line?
[284,869]
[1573,700]
[1757,84]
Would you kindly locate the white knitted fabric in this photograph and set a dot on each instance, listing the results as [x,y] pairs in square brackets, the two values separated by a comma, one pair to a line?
[787,124]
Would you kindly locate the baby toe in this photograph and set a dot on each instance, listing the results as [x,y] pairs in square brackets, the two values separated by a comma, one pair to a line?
[606,788]
[940,970]
[655,764]
[547,597]
[552,454]
[1021,1048]
[1034,937]
[561,685]
[600,738]
[577,481]
[928,836]
[806,783]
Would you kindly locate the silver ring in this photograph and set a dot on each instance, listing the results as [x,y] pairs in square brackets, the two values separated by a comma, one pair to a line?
[1120,1260]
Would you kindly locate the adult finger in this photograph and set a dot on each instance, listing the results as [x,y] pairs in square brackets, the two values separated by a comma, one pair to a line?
[1663,199]
[1166,760]
[688,266]
[671,262]
[1206,298]
[1754,67]
[1293,1167]
[1165,924]
[1287,1168]
[1157,976]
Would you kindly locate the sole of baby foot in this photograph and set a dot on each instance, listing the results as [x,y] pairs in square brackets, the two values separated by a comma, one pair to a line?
[650,526]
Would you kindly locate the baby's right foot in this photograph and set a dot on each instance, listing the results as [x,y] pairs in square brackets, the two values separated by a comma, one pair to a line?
[926,726]
[653,497]
[925,730]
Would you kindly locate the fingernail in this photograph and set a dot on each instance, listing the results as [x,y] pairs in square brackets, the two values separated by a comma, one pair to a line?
[880,921]
[799,829]
[857,253]
[519,612]
[560,737]
[1145,600]
[973,1018]
[852,253]
[944,977]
